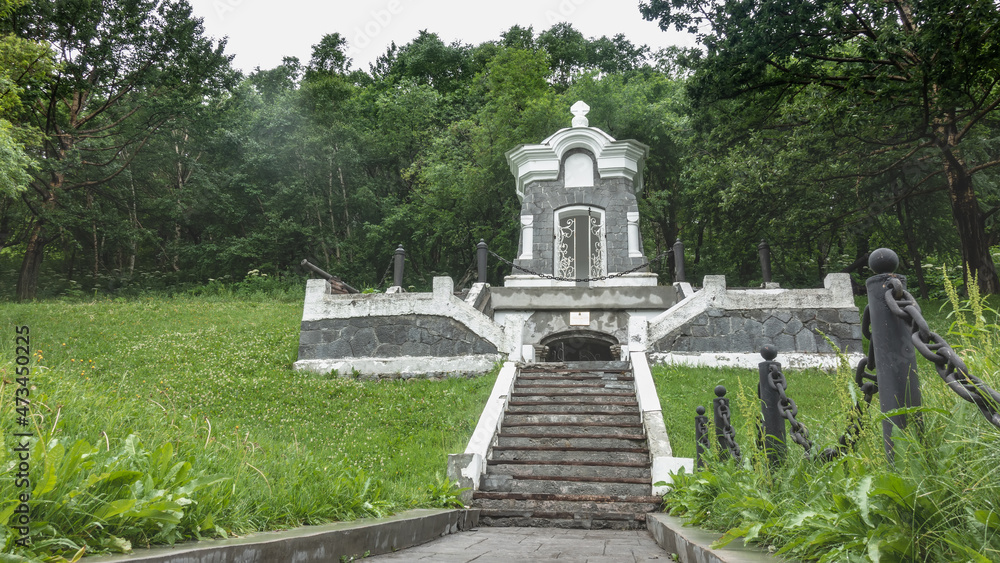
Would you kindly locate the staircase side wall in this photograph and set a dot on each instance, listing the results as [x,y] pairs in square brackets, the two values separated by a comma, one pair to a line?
[396,335]
[728,327]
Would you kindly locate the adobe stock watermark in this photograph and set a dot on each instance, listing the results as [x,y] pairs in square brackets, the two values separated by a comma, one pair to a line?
[563,11]
[363,35]
[223,7]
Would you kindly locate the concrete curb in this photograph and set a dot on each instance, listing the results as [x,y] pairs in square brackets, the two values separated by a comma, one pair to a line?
[328,543]
[691,545]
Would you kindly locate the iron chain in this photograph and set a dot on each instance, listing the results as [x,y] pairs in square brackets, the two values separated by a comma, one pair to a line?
[947,363]
[599,278]
[787,407]
[727,434]
[387,270]
[868,384]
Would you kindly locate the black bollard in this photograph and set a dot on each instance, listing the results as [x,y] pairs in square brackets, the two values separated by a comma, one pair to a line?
[481,254]
[895,360]
[701,436]
[720,408]
[397,272]
[765,260]
[774,423]
[679,261]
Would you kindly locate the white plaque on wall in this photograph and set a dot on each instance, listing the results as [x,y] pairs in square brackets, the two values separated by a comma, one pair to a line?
[579,318]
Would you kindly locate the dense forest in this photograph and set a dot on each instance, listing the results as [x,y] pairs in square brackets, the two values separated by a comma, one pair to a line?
[134,157]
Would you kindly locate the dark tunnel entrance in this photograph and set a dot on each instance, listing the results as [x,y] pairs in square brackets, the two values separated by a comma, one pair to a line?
[580,346]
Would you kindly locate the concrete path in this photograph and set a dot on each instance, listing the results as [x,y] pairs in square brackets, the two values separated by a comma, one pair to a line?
[524,545]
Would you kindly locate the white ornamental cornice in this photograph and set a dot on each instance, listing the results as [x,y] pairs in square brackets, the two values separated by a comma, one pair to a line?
[615,159]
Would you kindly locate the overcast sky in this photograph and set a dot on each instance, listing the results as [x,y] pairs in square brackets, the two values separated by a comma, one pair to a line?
[261,32]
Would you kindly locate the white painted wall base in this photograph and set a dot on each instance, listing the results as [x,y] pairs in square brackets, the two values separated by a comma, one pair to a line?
[751,360]
[403,366]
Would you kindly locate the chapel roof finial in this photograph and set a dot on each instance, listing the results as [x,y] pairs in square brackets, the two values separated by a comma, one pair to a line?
[579,111]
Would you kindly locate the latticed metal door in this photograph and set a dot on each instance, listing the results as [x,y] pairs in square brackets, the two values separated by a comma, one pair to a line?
[579,244]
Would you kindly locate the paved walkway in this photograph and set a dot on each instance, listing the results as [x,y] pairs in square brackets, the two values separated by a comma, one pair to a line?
[524,545]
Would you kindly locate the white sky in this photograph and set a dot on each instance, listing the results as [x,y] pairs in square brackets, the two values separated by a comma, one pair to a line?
[261,32]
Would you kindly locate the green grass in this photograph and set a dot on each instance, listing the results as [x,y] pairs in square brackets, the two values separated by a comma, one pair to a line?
[682,389]
[212,377]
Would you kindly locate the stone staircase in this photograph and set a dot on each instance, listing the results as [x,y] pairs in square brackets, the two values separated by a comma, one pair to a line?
[571,452]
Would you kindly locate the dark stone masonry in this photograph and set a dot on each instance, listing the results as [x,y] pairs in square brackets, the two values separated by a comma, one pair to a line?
[745,331]
[389,337]
[613,195]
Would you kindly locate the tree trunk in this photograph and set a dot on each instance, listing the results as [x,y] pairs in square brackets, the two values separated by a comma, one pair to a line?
[976,258]
[912,247]
[27,280]
[93,226]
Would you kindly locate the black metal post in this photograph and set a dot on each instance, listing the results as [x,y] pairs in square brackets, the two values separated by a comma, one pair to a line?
[720,408]
[397,272]
[765,260]
[701,436]
[774,423]
[679,261]
[481,254]
[895,360]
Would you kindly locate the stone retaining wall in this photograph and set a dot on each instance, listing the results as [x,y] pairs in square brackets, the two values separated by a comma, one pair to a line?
[389,337]
[722,327]
[747,330]
[397,334]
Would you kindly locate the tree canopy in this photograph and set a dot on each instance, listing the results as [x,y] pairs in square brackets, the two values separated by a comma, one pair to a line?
[133,156]
[913,85]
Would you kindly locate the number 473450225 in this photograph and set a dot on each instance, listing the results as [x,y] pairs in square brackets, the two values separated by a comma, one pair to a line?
[22,357]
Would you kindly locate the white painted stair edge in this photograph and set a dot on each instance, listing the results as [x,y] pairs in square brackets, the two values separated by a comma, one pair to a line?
[663,461]
[467,468]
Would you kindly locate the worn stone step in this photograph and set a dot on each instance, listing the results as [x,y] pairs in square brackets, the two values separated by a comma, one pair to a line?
[561,497]
[584,377]
[591,365]
[565,443]
[635,456]
[577,430]
[625,389]
[575,392]
[549,419]
[571,472]
[604,460]
[581,522]
[526,399]
[621,504]
[566,486]
[571,408]
[548,383]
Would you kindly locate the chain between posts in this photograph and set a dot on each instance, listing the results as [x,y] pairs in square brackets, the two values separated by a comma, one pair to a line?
[788,409]
[387,270]
[660,257]
[868,383]
[946,362]
[726,435]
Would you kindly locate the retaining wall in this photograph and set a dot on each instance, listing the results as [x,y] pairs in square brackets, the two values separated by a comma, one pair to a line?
[717,326]
[397,334]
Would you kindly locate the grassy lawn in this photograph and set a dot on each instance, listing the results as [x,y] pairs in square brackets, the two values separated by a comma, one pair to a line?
[682,389]
[213,378]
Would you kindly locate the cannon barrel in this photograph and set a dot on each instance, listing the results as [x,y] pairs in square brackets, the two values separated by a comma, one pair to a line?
[316,270]
[333,280]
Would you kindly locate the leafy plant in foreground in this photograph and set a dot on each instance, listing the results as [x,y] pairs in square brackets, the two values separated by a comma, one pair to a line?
[445,494]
